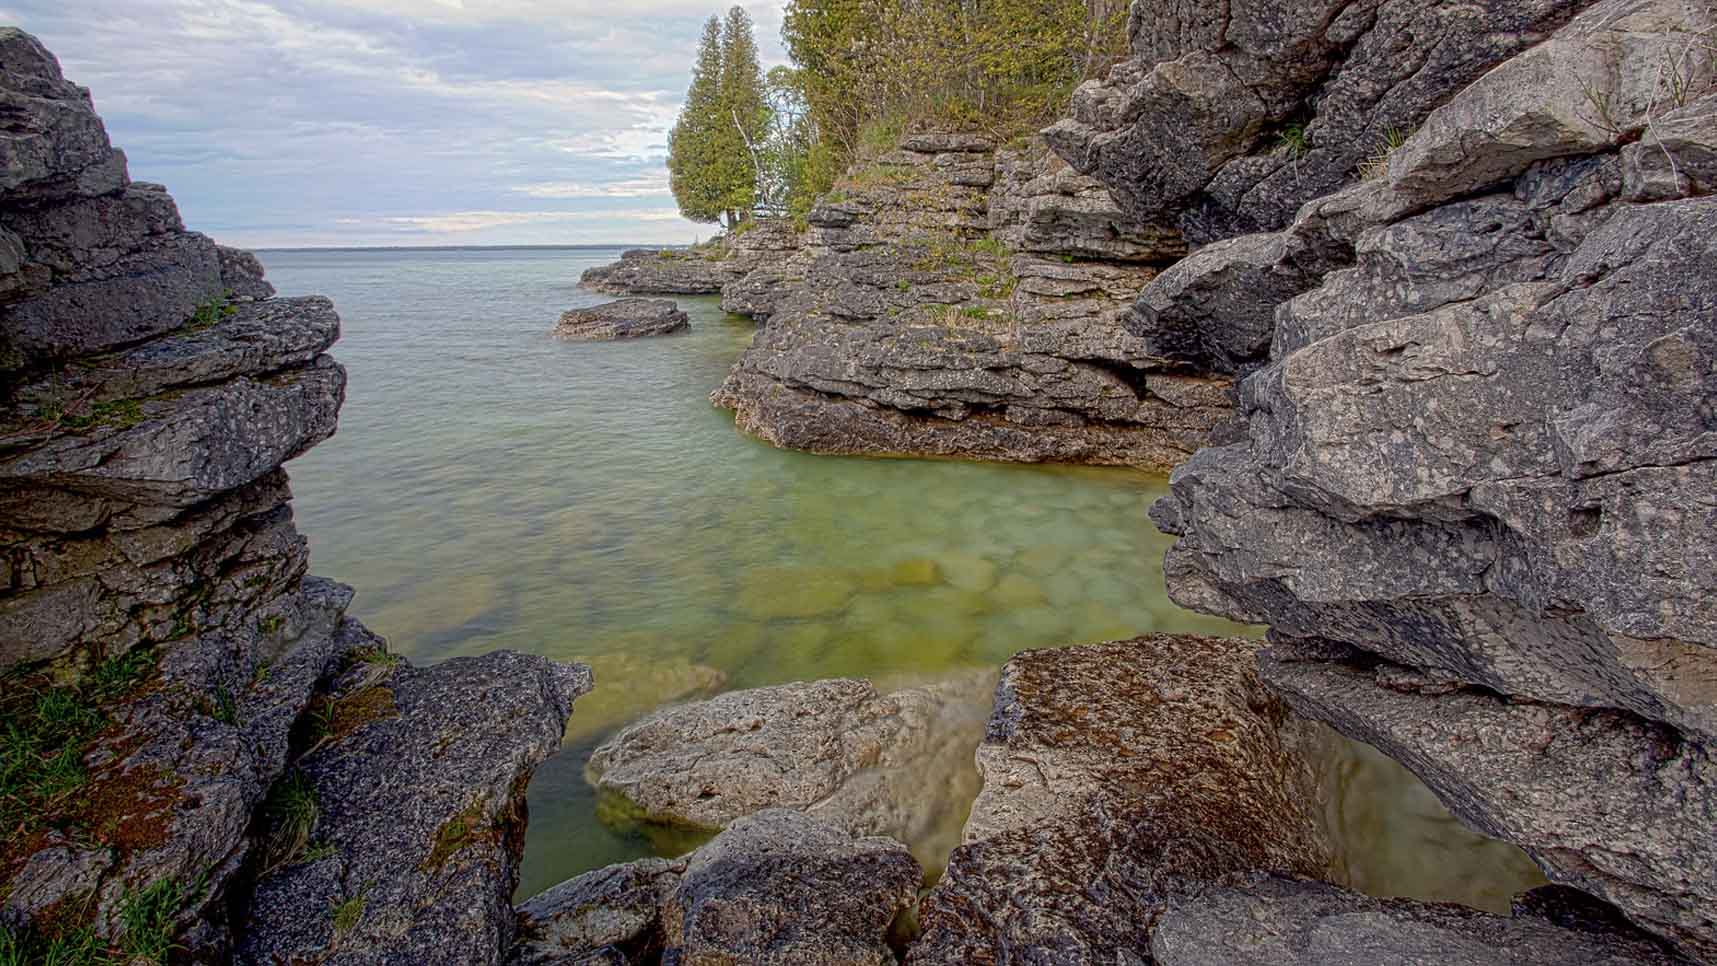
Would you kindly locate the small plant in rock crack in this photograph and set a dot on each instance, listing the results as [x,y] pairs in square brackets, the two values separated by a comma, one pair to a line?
[346,915]
[292,810]
[1377,165]
[1293,141]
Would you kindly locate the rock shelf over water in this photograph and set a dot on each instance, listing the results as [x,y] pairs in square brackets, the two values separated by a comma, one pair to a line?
[624,319]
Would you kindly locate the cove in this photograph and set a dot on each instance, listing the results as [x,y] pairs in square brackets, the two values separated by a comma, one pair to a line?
[492,488]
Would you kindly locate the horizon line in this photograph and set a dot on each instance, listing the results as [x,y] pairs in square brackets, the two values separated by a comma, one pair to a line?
[420,248]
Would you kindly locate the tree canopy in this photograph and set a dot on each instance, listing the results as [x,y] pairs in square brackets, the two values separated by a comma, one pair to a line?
[715,150]
[861,71]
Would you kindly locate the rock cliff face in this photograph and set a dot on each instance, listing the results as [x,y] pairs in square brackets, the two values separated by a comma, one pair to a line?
[192,722]
[952,299]
[1474,494]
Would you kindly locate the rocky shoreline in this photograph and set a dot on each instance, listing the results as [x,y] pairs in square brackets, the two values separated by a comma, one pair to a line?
[1445,422]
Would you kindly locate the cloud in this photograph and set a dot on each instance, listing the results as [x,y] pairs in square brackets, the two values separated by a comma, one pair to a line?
[459,222]
[315,121]
[645,187]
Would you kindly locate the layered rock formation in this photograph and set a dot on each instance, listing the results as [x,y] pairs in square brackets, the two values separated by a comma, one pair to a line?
[700,270]
[1473,499]
[624,319]
[1224,125]
[951,299]
[197,735]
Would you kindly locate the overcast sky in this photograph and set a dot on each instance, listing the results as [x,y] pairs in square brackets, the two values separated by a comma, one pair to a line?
[395,122]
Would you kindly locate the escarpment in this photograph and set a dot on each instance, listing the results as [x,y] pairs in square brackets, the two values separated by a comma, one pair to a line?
[196,733]
[1474,495]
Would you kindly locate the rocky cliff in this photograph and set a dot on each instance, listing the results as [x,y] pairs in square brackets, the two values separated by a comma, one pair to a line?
[195,732]
[951,298]
[1474,493]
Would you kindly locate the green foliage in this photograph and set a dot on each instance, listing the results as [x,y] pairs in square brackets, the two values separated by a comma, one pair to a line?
[1293,141]
[716,163]
[292,809]
[148,920]
[1002,66]
[121,413]
[346,915]
[209,313]
[45,730]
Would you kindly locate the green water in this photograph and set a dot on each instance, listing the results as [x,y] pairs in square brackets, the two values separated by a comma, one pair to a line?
[491,487]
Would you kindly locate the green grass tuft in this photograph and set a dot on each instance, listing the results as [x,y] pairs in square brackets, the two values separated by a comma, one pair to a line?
[45,731]
[292,809]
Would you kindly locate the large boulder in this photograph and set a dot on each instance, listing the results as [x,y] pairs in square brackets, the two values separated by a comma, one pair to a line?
[1113,774]
[837,750]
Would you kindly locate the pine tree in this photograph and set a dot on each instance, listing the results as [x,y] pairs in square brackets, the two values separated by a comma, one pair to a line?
[694,145]
[746,111]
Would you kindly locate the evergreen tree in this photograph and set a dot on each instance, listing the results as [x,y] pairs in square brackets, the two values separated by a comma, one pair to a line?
[694,145]
[746,112]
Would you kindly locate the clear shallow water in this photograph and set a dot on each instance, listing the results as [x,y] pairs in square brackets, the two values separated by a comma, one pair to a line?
[492,487]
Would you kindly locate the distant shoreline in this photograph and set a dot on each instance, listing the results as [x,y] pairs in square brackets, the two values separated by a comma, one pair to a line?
[458,248]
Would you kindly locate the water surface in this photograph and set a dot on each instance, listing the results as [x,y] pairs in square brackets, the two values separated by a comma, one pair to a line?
[491,487]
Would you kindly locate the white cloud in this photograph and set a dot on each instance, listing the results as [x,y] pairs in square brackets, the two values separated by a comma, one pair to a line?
[458,222]
[652,186]
[313,121]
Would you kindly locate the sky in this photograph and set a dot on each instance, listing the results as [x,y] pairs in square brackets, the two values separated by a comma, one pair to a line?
[286,123]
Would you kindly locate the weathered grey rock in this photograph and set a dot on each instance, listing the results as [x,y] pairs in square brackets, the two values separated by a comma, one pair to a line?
[173,784]
[779,888]
[420,787]
[55,144]
[611,915]
[1265,919]
[905,322]
[837,750]
[774,250]
[1223,126]
[625,319]
[1112,773]
[666,271]
[1618,807]
[1482,452]
[241,274]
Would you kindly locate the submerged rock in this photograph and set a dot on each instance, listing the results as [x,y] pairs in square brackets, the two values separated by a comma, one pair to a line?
[1265,919]
[625,319]
[1113,773]
[777,887]
[877,764]
[418,780]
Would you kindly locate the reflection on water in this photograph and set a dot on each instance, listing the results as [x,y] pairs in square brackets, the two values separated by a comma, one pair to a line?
[491,487]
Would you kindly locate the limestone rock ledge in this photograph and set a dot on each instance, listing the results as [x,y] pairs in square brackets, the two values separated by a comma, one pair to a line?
[205,739]
[952,299]
[1479,455]
[624,319]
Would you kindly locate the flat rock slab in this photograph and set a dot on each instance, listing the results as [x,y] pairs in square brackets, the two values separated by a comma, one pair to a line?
[778,888]
[1112,774]
[1266,919]
[622,319]
[419,779]
[839,750]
